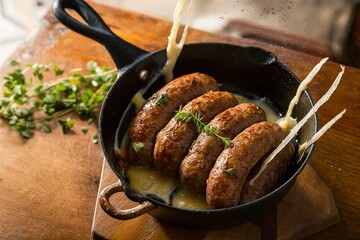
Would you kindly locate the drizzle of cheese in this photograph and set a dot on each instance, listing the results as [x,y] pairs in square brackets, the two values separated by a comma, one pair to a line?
[138,100]
[287,123]
[319,134]
[174,49]
[121,150]
[297,127]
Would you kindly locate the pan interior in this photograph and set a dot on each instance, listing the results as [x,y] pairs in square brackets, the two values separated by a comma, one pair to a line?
[243,70]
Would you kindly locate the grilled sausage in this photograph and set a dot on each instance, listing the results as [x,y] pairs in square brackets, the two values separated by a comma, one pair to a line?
[196,166]
[174,140]
[152,117]
[269,178]
[233,165]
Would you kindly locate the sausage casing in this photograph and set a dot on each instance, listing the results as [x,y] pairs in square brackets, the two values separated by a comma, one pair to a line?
[152,117]
[197,164]
[269,178]
[174,140]
[233,165]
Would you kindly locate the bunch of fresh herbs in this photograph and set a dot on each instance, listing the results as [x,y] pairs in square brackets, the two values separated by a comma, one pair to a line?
[30,103]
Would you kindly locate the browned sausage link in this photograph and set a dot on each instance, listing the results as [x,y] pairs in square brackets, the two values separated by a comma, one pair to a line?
[197,164]
[233,165]
[269,178]
[175,139]
[152,117]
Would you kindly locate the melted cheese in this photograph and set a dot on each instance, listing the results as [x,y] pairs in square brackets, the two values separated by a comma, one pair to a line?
[146,180]
[271,115]
[186,199]
[319,134]
[121,150]
[174,49]
[287,123]
[138,100]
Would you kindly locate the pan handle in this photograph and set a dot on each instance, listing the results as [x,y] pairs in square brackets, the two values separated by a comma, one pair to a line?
[126,214]
[122,52]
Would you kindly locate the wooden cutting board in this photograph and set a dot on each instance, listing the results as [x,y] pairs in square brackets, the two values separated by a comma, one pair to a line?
[309,207]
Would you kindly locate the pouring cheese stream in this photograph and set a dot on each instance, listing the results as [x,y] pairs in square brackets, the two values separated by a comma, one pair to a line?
[174,49]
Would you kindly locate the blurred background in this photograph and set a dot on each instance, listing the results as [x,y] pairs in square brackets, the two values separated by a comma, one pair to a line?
[318,27]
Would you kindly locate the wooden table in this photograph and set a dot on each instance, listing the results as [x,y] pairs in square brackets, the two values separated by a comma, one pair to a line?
[49,183]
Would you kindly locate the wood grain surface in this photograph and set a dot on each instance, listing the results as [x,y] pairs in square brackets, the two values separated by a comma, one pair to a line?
[49,183]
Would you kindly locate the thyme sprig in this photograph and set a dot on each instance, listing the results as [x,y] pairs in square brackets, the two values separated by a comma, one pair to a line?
[231,172]
[137,146]
[160,99]
[28,100]
[188,116]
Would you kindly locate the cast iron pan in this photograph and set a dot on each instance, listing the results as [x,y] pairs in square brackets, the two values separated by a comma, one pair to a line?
[246,70]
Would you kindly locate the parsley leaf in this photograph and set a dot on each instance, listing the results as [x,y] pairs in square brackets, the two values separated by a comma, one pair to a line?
[95,138]
[45,128]
[25,94]
[137,146]
[84,129]
[161,99]
[231,171]
[67,124]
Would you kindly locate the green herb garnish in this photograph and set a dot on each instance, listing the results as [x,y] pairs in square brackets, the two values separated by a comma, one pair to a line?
[84,129]
[231,171]
[45,127]
[58,71]
[14,63]
[26,94]
[201,126]
[67,124]
[161,99]
[137,146]
[95,138]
